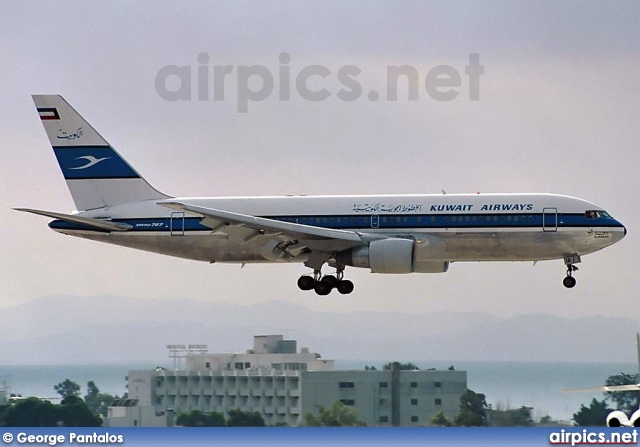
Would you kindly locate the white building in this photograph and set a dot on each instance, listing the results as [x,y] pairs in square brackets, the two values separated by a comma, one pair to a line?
[282,385]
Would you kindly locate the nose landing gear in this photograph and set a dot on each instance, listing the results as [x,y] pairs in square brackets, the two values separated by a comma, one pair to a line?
[569,281]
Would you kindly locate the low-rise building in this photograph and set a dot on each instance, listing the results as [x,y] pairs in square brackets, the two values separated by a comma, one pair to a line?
[283,384]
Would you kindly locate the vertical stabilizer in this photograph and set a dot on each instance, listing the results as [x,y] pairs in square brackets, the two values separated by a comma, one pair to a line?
[97,176]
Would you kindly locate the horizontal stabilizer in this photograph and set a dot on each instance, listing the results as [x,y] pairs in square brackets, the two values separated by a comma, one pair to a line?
[98,224]
[260,223]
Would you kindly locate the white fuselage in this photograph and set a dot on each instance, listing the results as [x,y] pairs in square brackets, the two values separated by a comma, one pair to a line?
[447,227]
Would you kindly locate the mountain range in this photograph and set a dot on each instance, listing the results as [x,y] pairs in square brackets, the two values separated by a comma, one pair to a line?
[112,329]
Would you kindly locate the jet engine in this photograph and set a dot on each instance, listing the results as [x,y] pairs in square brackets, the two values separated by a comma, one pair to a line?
[393,255]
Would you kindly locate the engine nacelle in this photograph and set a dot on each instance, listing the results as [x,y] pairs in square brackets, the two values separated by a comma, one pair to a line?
[618,419]
[393,255]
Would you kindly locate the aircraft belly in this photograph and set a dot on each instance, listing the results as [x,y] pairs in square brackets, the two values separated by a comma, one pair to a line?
[199,247]
[516,246]
[443,246]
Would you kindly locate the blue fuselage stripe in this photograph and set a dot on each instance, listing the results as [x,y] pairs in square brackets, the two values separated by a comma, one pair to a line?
[388,222]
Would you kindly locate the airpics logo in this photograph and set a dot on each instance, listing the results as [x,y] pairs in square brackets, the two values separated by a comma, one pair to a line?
[255,83]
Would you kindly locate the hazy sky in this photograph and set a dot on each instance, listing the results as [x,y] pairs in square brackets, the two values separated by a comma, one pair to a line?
[558,113]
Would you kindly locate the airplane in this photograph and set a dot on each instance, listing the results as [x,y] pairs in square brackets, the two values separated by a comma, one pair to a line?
[391,234]
[619,418]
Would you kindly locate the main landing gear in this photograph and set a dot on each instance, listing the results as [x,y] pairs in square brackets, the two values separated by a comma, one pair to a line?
[569,281]
[323,285]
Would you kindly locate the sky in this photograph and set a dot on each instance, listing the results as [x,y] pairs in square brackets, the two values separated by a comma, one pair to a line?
[557,113]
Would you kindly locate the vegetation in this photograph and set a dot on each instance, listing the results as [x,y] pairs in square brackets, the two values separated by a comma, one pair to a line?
[473,410]
[197,418]
[30,412]
[401,366]
[338,415]
[73,410]
[626,401]
[67,388]
[239,418]
[519,417]
[440,420]
[96,401]
[593,416]
[35,412]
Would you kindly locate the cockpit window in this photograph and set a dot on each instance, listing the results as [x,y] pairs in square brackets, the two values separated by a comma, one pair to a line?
[594,214]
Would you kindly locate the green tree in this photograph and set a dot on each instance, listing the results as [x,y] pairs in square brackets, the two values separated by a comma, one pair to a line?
[3,412]
[626,401]
[239,418]
[67,388]
[197,418]
[593,416]
[31,412]
[338,415]
[473,410]
[401,366]
[74,412]
[547,420]
[520,417]
[96,401]
[440,420]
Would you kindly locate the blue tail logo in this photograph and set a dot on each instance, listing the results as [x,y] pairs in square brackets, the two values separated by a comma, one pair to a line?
[92,161]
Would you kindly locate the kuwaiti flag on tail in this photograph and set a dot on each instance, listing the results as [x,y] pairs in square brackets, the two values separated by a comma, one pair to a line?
[48,113]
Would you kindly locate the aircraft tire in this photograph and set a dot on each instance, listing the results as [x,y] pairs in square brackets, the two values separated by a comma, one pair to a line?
[569,282]
[306,282]
[345,287]
[331,280]
[322,288]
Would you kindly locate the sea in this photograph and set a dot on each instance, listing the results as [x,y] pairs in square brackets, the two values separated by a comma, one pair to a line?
[505,384]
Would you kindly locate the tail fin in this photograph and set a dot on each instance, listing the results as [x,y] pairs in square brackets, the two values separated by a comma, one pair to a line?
[97,176]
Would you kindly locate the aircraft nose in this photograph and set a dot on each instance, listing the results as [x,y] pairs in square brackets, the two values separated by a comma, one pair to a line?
[619,235]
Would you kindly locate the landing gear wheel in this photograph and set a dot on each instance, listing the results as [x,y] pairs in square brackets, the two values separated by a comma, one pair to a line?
[322,288]
[331,280]
[345,287]
[306,282]
[569,282]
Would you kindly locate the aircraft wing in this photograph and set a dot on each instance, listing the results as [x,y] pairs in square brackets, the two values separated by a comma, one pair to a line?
[97,224]
[614,388]
[213,219]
